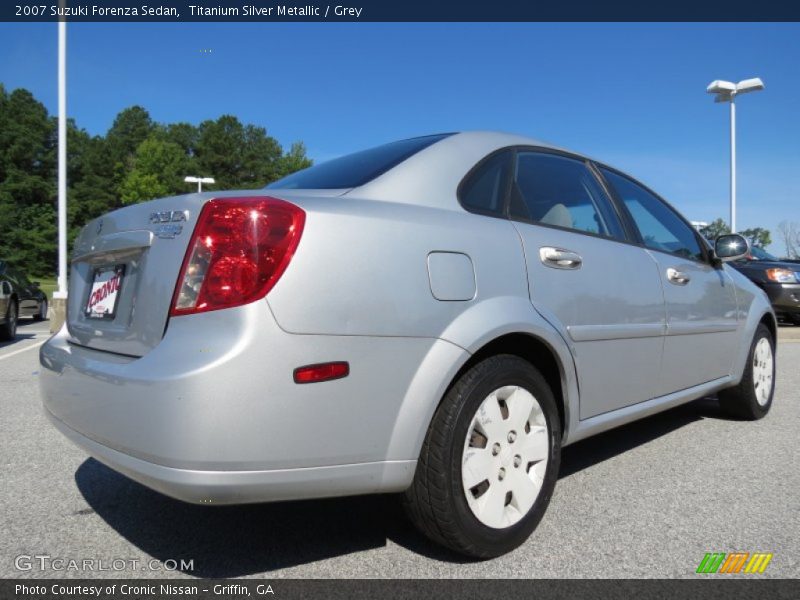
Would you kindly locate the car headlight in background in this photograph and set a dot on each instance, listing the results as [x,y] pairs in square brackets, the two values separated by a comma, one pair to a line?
[782,276]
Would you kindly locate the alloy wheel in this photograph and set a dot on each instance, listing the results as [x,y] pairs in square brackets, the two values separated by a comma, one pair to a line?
[763,371]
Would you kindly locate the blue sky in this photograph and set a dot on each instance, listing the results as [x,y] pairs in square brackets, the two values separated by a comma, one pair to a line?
[632,95]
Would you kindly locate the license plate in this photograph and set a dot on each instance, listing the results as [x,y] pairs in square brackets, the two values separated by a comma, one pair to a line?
[104,295]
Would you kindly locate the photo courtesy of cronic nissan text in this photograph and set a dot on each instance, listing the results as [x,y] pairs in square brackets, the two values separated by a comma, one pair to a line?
[418,300]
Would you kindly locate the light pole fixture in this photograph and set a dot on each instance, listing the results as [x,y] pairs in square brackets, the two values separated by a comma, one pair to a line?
[726,91]
[199,181]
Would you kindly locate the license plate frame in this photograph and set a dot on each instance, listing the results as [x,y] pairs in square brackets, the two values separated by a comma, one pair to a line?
[101,304]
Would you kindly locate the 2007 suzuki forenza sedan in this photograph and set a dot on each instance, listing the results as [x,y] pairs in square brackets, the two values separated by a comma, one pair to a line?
[437,316]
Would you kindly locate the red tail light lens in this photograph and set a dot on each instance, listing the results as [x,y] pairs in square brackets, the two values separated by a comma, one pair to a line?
[239,249]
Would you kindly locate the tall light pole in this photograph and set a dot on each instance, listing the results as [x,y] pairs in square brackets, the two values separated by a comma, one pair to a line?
[60,294]
[726,91]
[199,181]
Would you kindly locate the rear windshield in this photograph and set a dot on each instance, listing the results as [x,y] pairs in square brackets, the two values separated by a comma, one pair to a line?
[356,169]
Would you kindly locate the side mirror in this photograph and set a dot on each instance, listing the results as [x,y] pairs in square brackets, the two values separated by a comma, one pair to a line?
[731,247]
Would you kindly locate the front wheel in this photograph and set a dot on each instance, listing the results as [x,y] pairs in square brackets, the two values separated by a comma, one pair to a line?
[490,460]
[752,398]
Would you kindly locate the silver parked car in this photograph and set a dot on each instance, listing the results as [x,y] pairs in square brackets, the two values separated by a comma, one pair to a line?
[437,316]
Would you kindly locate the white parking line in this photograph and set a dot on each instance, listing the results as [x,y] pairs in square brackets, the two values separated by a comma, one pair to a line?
[10,354]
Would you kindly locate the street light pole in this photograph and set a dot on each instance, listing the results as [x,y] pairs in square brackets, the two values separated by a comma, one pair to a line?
[199,181]
[733,164]
[60,294]
[62,158]
[726,91]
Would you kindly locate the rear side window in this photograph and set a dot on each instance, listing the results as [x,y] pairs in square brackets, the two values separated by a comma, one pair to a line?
[356,169]
[561,192]
[484,190]
[660,227]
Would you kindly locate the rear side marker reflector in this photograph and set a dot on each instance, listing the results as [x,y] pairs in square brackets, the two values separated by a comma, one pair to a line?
[321,372]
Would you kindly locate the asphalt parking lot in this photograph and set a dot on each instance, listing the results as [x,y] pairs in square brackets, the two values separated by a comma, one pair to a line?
[646,500]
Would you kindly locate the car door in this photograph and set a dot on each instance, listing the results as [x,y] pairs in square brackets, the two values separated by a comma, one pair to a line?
[700,298]
[5,295]
[5,291]
[28,305]
[602,292]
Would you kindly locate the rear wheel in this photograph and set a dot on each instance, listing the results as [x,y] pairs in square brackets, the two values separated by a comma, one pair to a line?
[8,330]
[490,460]
[42,314]
[752,398]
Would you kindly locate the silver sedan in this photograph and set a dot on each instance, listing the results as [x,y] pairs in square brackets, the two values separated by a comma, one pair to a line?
[437,316]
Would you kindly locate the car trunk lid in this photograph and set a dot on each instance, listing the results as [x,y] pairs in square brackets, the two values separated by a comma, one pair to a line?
[123,273]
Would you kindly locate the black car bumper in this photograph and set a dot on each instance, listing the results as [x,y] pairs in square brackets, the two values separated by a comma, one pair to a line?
[785,297]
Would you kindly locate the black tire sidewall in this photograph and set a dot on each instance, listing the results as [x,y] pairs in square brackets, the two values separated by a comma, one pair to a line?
[8,330]
[41,315]
[510,371]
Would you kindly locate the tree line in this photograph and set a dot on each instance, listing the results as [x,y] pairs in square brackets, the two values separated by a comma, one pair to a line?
[136,160]
[759,237]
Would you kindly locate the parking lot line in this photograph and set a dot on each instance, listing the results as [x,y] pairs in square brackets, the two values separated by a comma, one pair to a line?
[10,354]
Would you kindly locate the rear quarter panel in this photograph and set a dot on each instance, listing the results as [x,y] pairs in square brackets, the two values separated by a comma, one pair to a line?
[361,268]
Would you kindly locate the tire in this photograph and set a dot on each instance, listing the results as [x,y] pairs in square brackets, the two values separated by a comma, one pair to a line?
[8,330]
[795,319]
[752,398]
[494,519]
[42,314]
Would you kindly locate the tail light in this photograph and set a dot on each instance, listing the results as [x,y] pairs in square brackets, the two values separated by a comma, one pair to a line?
[239,249]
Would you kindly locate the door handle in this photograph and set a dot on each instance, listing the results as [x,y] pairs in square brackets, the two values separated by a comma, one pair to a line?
[677,277]
[558,258]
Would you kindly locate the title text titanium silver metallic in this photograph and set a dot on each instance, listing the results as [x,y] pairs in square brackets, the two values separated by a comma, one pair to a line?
[437,316]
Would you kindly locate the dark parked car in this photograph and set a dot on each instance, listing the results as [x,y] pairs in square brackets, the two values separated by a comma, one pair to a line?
[780,279]
[18,298]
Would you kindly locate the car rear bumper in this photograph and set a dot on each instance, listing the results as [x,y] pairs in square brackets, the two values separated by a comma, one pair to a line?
[784,297]
[212,413]
[240,487]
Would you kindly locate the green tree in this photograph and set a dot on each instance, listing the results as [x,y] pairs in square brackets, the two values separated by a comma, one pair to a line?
[27,182]
[757,236]
[158,169]
[131,127]
[236,155]
[294,160]
[183,134]
[715,229]
[91,191]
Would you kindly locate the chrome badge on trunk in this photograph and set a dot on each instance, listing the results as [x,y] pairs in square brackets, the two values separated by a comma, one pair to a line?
[169,222]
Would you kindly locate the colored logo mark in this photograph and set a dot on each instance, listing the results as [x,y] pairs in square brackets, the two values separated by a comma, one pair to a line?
[734,562]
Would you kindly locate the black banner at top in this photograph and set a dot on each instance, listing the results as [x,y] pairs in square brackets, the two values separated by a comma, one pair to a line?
[174,11]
